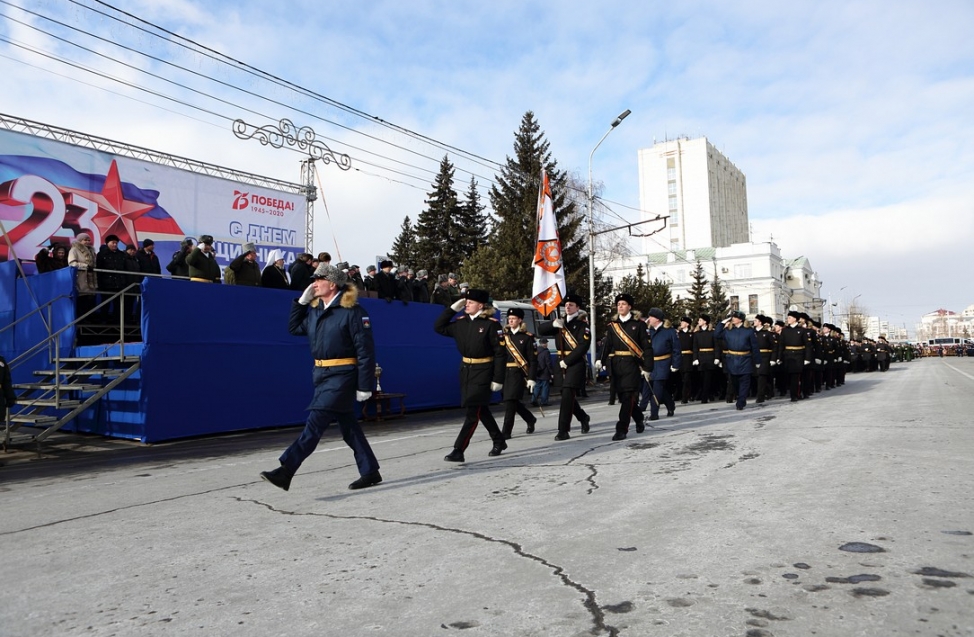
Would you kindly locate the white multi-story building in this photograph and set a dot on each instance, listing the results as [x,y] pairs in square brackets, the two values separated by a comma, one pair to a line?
[946,324]
[704,197]
[756,279]
[703,194]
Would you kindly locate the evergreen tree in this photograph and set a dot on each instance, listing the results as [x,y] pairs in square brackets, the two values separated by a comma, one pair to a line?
[660,294]
[403,250]
[472,223]
[719,304]
[504,265]
[437,230]
[698,302]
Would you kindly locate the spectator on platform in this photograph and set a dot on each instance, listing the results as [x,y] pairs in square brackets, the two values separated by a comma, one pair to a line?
[355,276]
[404,285]
[454,286]
[369,280]
[111,276]
[245,268]
[301,272]
[203,267]
[324,257]
[441,295]
[421,293]
[274,275]
[177,266]
[385,282]
[82,256]
[53,259]
[132,296]
[148,259]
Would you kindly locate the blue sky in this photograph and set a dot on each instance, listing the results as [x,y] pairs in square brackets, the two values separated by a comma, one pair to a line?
[851,120]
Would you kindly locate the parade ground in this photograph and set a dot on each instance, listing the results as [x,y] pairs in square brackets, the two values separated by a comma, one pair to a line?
[850,513]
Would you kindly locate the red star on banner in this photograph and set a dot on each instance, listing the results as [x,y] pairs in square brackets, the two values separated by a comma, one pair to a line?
[115,215]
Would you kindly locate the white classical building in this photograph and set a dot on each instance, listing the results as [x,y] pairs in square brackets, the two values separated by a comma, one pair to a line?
[702,192]
[946,324]
[705,197]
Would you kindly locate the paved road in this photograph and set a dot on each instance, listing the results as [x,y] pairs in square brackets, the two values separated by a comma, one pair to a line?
[719,523]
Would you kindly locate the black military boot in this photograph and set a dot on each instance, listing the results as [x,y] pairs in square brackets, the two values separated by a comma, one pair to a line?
[367,480]
[499,446]
[454,456]
[280,477]
[585,424]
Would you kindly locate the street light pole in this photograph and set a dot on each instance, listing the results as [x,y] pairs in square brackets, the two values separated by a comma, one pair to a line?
[591,227]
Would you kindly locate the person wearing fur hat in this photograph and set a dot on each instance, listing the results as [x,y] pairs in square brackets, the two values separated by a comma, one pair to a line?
[369,279]
[82,257]
[742,353]
[111,276]
[203,267]
[572,341]
[441,294]
[177,265]
[385,282]
[300,271]
[404,285]
[667,358]
[274,275]
[628,356]
[147,258]
[421,291]
[794,353]
[341,339]
[521,370]
[766,346]
[479,340]
[246,270]
[706,356]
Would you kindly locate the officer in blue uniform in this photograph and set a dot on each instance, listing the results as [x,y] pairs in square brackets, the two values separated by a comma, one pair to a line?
[340,334]
[666,358]
[740,353]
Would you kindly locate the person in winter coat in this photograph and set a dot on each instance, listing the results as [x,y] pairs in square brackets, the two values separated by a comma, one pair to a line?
[177,266]
[82,257]
[274,275]
[667,358]
[202,263]
[340,333]
[55,259]
[301,271]
[572,340]
[740,353]
[627,355]
[245,267]
[148,259]
[111,276]
[706,356]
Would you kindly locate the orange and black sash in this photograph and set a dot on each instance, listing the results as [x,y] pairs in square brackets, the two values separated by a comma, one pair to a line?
[515,353]
[569,338]
[627,340]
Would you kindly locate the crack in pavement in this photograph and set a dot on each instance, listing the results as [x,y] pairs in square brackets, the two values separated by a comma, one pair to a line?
[590,478]
[590,604]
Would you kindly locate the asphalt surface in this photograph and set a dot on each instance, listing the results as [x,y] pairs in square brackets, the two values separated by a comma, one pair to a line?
[719,522]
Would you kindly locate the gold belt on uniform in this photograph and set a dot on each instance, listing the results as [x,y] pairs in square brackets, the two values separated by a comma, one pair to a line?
[794,347]
[688,351]
[736,353]
[566,353]
[477,361]
[621,353]
[765,351]
[513,365]
[199,280]
[661,358]
[706,350]
[334,362]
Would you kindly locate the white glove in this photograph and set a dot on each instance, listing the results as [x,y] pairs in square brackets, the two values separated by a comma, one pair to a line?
[563,364]
[530,385]
[808,362]
[757,366]
[459,305]
[696,362]
[818,361]
[773,363]
[718,363]
[558,323]
[674,369]
[496,387]
[647,376]
[308,296]
[598,366]
[362,396]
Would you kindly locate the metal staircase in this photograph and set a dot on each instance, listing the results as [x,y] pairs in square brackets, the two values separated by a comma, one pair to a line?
[67,386]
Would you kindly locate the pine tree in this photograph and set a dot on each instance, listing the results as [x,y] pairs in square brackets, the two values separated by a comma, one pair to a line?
[660,294]
[403,250]
[503,266]
[437,230]
[698,302]
[719,304]
[472,223]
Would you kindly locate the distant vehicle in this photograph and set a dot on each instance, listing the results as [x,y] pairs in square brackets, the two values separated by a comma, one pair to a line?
[532,317]
[949,342]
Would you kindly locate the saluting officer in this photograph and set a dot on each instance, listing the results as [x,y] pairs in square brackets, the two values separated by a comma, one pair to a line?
[521,365]
[478,337]
[572,338]
[627,354]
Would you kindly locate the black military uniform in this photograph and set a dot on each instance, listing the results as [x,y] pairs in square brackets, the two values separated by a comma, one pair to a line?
[794,352]
[521,364]
[572,338]
[478,339]
[686,360]
[706,353]
[626,353]
[762,374]
[385,282]
[883,354]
